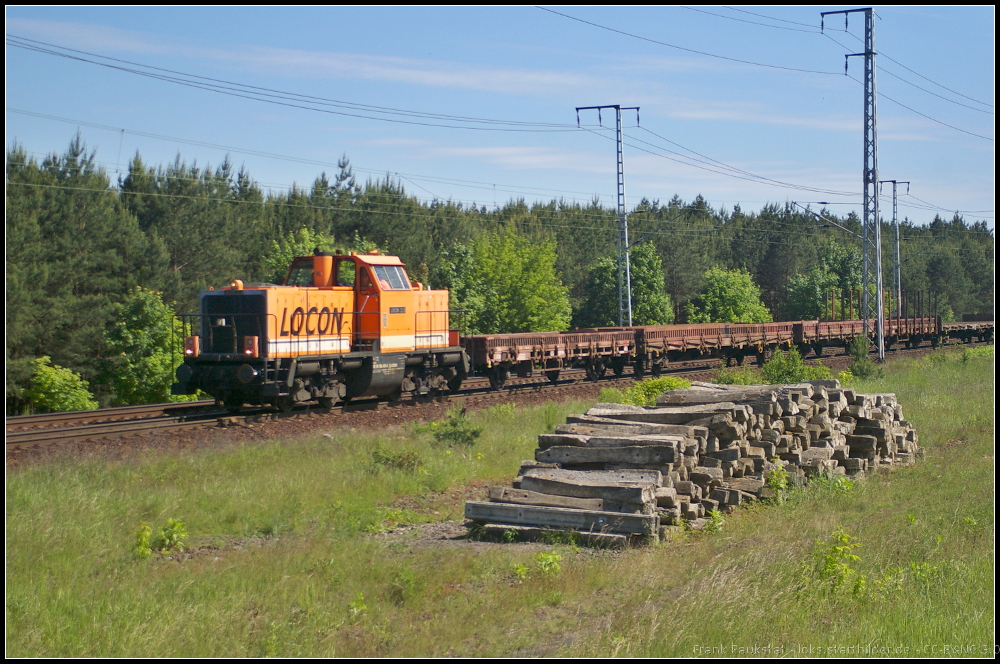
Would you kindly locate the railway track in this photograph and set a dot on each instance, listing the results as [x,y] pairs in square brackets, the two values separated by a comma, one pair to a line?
[40,431]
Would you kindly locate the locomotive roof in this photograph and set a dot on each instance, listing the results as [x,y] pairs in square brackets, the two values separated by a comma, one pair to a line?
[378,259]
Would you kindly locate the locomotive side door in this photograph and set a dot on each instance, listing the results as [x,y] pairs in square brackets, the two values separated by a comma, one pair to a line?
[367,319]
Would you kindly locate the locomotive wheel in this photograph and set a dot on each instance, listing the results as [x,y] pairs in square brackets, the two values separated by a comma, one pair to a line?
[234,405]
[553,376]
[285,403]
[455,384]
[325,402]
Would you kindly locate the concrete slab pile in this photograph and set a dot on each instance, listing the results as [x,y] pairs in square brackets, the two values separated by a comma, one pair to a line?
[619,472]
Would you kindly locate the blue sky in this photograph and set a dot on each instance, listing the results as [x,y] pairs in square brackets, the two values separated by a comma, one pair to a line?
[530,66]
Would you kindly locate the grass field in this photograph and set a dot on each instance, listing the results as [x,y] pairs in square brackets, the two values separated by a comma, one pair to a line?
[284,556]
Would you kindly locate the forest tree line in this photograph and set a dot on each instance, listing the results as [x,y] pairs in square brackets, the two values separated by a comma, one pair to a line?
[96,267]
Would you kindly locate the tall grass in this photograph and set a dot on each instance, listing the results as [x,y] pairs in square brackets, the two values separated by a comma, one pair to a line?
[283,559]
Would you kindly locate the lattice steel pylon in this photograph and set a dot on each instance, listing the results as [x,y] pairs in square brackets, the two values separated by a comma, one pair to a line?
[624,258]
[872,227]
[897,286]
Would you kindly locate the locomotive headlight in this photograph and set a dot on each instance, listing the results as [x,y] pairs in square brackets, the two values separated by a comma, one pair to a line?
[192,346]
[250,346]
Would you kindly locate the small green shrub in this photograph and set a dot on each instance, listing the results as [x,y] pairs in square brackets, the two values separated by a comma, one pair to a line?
[611,395]
[645,392]
[458,428]
[407,460]
[789,368]
[548,563]
[520,572]
[357,606]
[715,521]
[173,537]
[745,375]
[838,484]
[861,365]
[142,548]
[833,562]
[778,480]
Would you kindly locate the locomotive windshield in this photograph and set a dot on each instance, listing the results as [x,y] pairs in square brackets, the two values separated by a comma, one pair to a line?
[391,277]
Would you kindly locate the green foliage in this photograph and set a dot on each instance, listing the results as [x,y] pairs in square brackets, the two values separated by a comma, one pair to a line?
[456,429]
[861,366]
[808,295]
[837,484]
[142,549]
[173,537]
[778,480]
[745,375]
[645,392]
[548,563]
[357,607]
[406,460]
[715,521]
[789,368]
[650,304]
[143,346]
[302,242]
[833,562]
[507,282]
[56,389]
[520,571]
[728,296]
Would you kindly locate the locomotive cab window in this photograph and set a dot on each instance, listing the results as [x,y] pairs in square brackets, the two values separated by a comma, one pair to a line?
[345,272]
[391,277]
[301,273]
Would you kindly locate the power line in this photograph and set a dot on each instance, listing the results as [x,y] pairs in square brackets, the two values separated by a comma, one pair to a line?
[741,20]
[486,186]
[295,100]
[889,73]
[689,50]
[882,95]
[754,178]
[738,170]
[770,18]
[884,55]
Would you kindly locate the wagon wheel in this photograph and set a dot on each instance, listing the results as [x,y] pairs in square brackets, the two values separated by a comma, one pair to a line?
[498,378]
[595,371]
[619,369]
[553,376]
[638,369]
[656,369]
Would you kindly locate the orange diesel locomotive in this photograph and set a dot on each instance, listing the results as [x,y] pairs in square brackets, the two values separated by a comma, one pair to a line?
[342,326]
